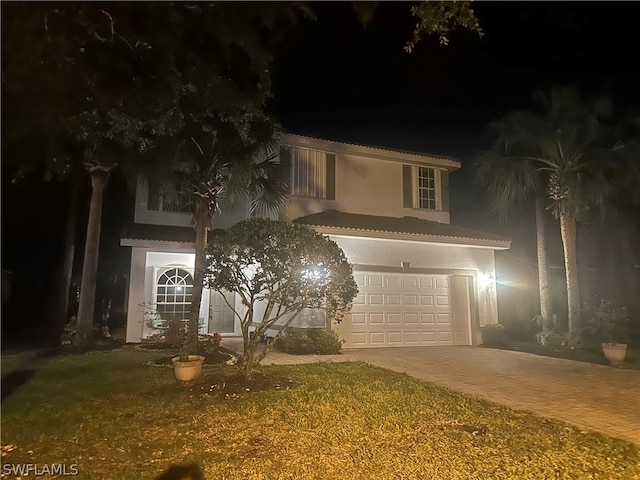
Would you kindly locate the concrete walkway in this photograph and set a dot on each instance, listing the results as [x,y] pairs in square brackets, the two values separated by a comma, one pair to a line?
[594,397]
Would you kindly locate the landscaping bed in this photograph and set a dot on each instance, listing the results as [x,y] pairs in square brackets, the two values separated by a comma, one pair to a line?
[117,418]
[221,356]
[563,351]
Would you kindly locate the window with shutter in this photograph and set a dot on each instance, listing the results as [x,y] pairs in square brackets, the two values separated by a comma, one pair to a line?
[422,188]
[181,200]
[312,173]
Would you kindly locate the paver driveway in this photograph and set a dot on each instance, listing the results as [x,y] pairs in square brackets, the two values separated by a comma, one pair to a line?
[594,397]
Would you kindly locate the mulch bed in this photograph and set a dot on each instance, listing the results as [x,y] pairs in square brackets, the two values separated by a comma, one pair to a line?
[559,351]
[217,358]
[232,387]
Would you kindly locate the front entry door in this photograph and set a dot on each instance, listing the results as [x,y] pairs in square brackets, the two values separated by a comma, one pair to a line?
[221,317]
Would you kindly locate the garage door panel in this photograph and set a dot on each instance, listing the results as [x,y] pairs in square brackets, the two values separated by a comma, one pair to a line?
[359,339]
[427,318]
[361,299]
[377,338]
[410,281]
[460,337]
[393,299]
[410,300]
[444,337]
[395,338]
[394,318]
[393,281]
[375,299]
[442,300]
[426,300]
[428,337]
[459,320]
[410,318]
[401,309]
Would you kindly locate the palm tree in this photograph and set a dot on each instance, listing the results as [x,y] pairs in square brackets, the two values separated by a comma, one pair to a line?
[571,142]
[225,164]
[563,141]
[511,182]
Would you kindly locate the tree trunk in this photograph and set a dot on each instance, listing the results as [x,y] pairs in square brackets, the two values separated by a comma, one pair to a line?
[568,232]
[64,284]
[84,332]
[543,272]
[202,223]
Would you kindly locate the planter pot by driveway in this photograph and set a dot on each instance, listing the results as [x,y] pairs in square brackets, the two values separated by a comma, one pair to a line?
[615,353]
[187,372]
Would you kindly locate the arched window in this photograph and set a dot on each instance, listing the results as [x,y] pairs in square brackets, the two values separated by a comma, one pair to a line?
[173,297]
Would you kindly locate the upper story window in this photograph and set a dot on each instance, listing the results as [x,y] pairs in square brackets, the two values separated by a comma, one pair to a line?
[308,173]
[180,201]
[312,172]
[424,188]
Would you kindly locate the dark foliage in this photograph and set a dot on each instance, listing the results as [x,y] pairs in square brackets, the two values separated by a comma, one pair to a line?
[309,341]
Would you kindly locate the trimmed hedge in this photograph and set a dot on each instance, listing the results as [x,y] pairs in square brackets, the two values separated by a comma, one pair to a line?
[309,341]
[493,335]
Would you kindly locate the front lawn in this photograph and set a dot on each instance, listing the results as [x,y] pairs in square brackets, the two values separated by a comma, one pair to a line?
[117,418]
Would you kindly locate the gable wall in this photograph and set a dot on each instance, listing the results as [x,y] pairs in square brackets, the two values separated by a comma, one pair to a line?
[364,186]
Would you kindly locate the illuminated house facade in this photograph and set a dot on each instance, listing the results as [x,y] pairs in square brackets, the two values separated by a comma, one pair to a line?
[421,280]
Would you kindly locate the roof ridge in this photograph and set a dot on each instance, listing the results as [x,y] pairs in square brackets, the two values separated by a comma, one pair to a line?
[378,147]
[455,231]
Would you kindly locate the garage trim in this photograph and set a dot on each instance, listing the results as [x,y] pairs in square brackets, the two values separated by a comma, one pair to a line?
[474,309]
[469,275]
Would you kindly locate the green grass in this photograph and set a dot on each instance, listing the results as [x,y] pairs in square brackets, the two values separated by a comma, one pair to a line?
[118,418]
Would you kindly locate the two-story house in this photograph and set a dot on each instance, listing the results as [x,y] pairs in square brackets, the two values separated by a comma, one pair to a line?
[421,280]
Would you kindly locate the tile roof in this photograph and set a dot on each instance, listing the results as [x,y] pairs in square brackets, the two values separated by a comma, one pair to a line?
[165,233]
[375,147]
[330,218]
[407,225]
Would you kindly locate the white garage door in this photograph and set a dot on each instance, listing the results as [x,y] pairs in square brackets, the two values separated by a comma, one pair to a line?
[404,309]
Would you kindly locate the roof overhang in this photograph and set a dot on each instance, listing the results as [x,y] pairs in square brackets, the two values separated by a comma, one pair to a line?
[156,244]
[378,153]
[413,237]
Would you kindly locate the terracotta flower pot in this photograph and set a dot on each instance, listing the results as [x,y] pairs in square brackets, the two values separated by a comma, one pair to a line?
[614,352]
[187,372]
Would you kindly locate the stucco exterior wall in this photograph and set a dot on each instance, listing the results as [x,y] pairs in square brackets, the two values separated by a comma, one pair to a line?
[363,253]
[364,186]
[145,263]
[143,215]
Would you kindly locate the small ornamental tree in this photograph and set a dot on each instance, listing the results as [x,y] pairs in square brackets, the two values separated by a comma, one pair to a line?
[283,268]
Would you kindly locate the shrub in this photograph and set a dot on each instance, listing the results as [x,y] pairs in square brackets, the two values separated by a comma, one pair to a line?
[552,339]
[493,335]
[549,334]
[286,267]
[309,341]
[604,322]
[172,331]
[209,344]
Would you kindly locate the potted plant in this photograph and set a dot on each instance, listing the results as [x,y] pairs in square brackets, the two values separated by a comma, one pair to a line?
[187,366]
[608,324]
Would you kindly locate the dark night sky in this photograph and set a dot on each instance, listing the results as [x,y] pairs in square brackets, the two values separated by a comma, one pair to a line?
[339,80]
[336,79]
